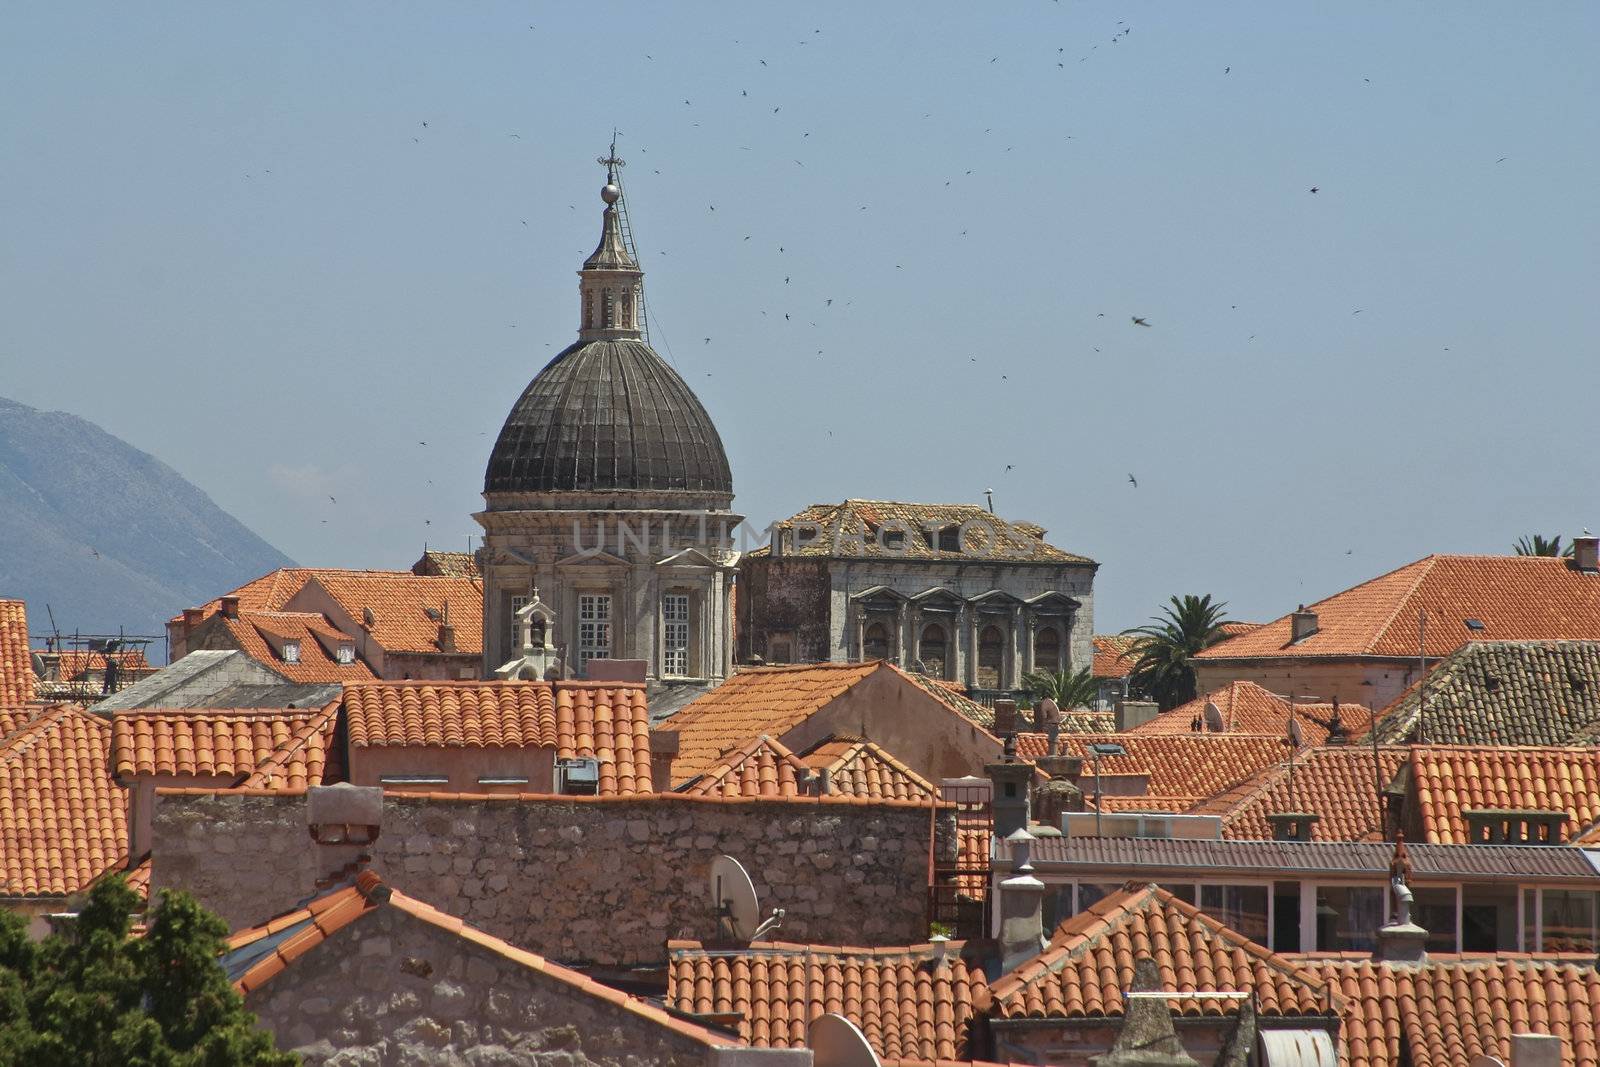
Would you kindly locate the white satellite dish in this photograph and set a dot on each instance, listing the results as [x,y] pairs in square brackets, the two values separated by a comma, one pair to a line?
[734,896]
[1296,737]
[837,1042]
[1214,721]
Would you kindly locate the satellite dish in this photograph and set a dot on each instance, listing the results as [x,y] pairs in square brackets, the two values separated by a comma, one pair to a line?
[837,1042]
[734,895]
[1296,737]
[1487,1061]
[1214,721]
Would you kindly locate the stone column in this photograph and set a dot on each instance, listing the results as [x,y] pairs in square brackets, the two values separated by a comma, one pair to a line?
[902,628]
[964,647]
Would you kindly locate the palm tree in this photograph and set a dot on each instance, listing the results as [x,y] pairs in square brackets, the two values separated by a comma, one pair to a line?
[1539,545]
[1163,648]
[1069,689]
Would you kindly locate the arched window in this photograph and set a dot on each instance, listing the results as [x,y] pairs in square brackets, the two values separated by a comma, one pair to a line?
[610,303]
[931,649]
[991,648]
[1047,649]
[875,641]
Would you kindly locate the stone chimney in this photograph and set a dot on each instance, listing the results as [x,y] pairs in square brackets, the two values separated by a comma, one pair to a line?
[192,617]
[1005,717]
[447,637]
[1537,1050]
[1302,624]
[1021,906]
[663,751]
[1401,940]
[1292,825]
[1010,801]
[1147,1037]
[344,821]
[1586,553]
[1131,713]
[229,606]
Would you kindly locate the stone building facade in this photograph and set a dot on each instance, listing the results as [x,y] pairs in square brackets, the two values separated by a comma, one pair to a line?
[951,590]
[608,496]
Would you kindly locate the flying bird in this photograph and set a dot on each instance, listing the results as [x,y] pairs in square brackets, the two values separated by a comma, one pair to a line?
[1137,321]
[1134,480]
[1313,188]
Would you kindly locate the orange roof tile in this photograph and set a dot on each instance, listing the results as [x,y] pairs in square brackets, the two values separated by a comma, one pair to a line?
[138,878]
[908,1005]
[279,748]
[1452,1007]
[864,769]
[765,700]
[1447,780]
[273,590]
[1179,765]
[609,721]
[850,530]
[1111,659]
[1246,708]
[261,635]
[1089,963]
[400,604]
[447,564]
[762,768]
[16,662]
[1337,783]
[304,929]
[63,821]
[1516,598]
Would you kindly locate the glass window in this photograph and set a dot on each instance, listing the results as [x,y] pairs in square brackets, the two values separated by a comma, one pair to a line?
[1092,893]
[1242,908]
[594,628]
[1568,918]
[1434,909]
[1348,917]
[1285,917]
[875,642]
[1489,918]
[990,646]
[345,654]
[1047,651]
[514,643]
[931,649]
[1184,891]
[1057,906]
[1530,920]
[675,632]
[291,652]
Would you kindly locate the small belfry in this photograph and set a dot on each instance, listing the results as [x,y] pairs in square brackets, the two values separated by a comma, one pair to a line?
[609,490]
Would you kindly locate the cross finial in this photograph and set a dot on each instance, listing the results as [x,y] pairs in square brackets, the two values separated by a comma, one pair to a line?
[611,161]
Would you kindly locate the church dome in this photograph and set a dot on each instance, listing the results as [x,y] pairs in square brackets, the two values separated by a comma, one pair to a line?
[608,414]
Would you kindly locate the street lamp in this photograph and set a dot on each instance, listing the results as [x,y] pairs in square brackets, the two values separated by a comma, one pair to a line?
[1098,749]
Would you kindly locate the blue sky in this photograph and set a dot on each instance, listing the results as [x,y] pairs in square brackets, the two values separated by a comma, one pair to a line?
[227,236]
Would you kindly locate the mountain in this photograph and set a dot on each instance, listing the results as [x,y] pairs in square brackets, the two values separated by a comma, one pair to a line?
[109,536]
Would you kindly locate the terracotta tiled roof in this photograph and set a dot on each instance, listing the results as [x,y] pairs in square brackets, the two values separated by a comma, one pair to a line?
[255,956]
[1505,693]
[16,662]
[1453,1008]
[864,769]
[766,700]
[63,821]
[1176,805]
[950,696]
[1449,779]
[400,605]
[1233,628]
[1090,958]
[447,565]
[1179,765]
[260,635]
[283,745]
[1516,598]
[1111,659]
[610,722]
[273,590]
[138,878]
[762,768]
[850,530]
[1247,708]
[908,1006]
[1336,783]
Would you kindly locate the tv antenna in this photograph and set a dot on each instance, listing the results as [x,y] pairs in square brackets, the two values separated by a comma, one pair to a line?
[734,895]
[837,1042]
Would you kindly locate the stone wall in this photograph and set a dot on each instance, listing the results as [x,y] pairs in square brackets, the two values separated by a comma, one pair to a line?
[783,599]
[1317,680]
[579,879]
[393,989]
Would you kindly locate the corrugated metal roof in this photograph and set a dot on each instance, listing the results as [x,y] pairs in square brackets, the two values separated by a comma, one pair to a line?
[1141,856]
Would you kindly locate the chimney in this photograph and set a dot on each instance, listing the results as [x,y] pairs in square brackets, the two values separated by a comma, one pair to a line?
[1131,713]
[1537,1050]
[1005,717]
[1038,716]
[1401,940]
[663,751]
[447,637]
[1010,802]
[344,821]
[1302,624]
[229,606]
[1292,825]
[1021,907]
[1586,553]
[192,617]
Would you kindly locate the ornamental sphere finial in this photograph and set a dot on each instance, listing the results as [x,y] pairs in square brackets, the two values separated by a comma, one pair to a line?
[610,193]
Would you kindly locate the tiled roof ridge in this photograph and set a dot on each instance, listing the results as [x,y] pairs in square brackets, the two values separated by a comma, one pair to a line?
[827,665]
[279,759]
[159,711]
[733,759]
[870,747]
[1429,562]
[564,798]
[22,739]
[488,683]
[925,949]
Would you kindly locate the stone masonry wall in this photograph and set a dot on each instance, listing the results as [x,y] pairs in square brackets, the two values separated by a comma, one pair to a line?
[393,989]
[585,880]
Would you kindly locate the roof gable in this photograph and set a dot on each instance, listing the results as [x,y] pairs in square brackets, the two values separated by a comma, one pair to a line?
[279,747]
[762,768]
[1089,963]
[262,635]
[407,609]
[858,768]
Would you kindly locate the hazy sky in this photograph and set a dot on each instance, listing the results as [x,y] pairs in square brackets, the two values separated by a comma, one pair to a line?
[281,245]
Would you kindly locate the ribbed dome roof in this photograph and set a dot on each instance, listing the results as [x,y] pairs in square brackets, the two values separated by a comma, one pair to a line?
[608,415]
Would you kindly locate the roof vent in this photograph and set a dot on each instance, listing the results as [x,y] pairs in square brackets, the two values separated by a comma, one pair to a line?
[1302,624]
[578,777]
[1586,553]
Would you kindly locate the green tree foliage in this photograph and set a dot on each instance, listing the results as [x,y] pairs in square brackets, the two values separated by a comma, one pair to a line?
[1163,647]
[1069,689]
[97,997]
[1539,545]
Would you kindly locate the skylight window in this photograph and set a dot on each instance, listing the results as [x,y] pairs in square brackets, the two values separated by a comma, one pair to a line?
[1475,624]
